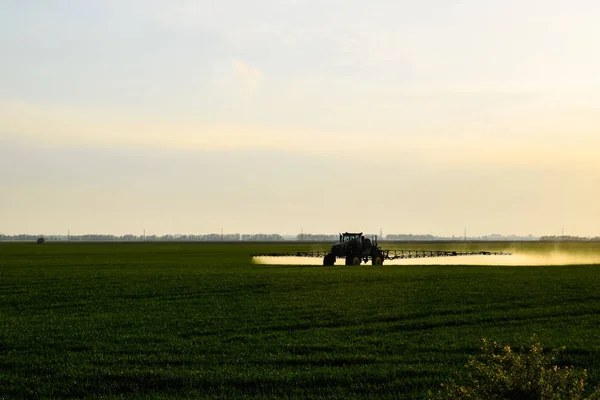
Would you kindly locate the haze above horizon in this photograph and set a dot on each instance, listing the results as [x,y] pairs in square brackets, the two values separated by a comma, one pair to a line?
[271,116]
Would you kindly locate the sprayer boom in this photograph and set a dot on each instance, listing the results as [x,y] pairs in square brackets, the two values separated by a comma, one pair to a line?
[395,254]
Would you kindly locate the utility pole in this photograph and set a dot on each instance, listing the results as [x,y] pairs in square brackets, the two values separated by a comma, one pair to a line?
[465,234]
[68,235]
[221,234]
[144,234]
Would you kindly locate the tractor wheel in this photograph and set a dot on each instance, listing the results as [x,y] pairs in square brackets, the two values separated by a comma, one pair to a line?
[329,259]
[352,260]
[377,259]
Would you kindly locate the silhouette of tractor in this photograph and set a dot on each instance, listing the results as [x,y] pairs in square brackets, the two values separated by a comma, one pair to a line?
[355,248]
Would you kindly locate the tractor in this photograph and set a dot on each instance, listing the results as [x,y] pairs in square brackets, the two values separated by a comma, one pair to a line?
[355,248]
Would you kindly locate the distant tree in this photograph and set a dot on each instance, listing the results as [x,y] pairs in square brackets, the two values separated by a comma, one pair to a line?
[41,240]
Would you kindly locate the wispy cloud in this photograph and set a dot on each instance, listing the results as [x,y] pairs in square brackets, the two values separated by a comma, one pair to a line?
[73,127]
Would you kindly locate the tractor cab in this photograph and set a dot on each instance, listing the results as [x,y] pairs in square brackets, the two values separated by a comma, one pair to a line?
[347,237]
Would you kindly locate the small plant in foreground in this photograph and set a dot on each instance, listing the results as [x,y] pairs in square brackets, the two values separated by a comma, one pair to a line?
[501,373]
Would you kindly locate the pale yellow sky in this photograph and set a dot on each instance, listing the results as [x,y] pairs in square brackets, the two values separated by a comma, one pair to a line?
[414,118]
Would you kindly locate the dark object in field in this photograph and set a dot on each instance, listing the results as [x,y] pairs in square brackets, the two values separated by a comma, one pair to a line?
[41,240]
[355,248]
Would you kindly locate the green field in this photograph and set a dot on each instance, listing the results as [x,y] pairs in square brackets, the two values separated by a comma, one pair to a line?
[200,321]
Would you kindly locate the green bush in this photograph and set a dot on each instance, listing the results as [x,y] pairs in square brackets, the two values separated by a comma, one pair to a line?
[499,372]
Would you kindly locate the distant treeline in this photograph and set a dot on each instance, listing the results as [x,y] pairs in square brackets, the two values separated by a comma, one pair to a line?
[211,237]
[272,237]
[310,237]
[570,239]
[410,237]
[427,237]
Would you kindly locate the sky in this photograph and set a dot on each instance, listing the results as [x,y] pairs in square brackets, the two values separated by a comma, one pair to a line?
[177,116]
